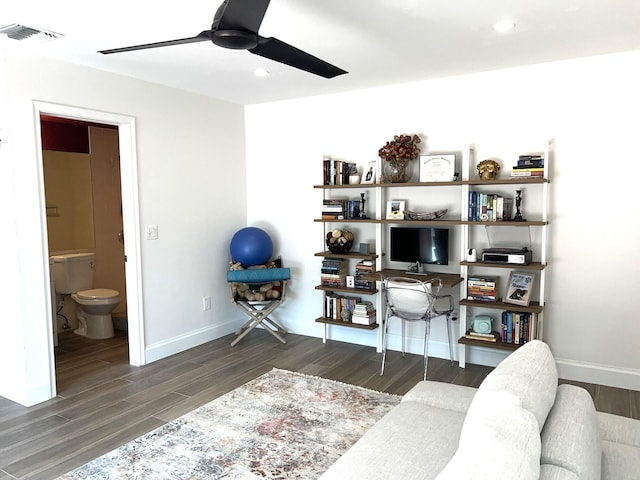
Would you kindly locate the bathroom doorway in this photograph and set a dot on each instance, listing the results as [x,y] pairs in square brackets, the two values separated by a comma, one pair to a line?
[127,239]
[81,168]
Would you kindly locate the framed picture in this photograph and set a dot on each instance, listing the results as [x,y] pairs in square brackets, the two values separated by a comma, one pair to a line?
[395,210]
[519,288]
[437,167]
[369,173]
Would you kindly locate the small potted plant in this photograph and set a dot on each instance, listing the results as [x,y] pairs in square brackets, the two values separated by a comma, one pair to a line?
[397,155]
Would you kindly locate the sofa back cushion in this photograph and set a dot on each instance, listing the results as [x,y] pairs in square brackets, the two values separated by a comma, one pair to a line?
[503,443]
[530,375]
[571,436]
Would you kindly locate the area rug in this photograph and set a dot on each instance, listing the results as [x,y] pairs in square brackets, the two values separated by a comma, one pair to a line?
[280,425]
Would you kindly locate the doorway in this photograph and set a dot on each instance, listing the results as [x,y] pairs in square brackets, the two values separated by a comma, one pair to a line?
[130,218]
[84,207]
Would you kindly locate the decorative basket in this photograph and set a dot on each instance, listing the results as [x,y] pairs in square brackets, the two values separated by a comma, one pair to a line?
[339,241]
[340,247]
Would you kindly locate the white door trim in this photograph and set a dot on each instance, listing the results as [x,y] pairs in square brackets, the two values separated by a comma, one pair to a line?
[130,218]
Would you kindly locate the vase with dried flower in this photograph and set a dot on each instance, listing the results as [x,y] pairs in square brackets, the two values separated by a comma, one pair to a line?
[397,155]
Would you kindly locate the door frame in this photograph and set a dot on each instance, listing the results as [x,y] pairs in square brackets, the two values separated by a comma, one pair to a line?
[130,218]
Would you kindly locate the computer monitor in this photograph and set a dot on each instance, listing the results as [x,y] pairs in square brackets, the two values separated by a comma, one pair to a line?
[422,245]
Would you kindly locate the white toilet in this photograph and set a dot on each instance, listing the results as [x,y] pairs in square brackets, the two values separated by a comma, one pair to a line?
[73,274]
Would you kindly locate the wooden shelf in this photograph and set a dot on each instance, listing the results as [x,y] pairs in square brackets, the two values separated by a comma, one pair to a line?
[482,343]
[449,280]
[353,291]
[350,220]
[506,223]
[389,185]
[439,221]
[366,256]
[534,307]
[512,266]
[331,321]
[507,181]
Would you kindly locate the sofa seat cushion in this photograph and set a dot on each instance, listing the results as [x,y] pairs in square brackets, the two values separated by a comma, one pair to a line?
[619,429]
[442,395]
[501,443]
[571,436]
[530,375]
[620,461]
[620,447]
[413,441]
[554,472]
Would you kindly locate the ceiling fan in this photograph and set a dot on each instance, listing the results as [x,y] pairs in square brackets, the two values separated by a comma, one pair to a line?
[235,25]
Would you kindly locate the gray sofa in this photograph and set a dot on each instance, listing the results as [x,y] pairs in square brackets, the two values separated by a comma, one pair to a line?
[519,424]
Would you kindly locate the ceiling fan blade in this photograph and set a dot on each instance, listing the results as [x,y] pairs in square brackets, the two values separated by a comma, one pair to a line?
[240,15]
[279,51]
[201,37]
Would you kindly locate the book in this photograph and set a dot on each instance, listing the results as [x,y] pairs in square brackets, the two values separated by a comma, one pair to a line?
[485,337]
[527,173]
[482,288]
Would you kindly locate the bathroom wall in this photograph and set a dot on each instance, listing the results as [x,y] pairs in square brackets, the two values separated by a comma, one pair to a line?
[69,200]
[108,270]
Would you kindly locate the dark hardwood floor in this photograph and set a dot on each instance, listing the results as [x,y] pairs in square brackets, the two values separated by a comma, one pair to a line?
[104,402]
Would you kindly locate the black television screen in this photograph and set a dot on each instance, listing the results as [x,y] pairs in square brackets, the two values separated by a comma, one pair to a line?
[419,244]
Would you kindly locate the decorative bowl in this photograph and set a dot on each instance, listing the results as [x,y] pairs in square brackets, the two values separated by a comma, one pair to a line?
[410,215]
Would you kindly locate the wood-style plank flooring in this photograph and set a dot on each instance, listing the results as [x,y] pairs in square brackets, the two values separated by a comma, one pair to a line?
[104,402]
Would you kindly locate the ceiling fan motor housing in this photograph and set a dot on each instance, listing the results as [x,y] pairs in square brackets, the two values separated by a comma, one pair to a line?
[235,39]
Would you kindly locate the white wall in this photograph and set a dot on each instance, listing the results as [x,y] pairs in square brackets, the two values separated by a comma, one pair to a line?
[191,172]
[589,106]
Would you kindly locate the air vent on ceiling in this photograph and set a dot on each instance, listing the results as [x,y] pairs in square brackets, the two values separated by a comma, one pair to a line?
[19,32]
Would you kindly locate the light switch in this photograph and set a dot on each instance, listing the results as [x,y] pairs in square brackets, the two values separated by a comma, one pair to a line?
[151,232]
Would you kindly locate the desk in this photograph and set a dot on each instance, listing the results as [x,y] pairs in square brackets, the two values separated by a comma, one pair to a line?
[449,280]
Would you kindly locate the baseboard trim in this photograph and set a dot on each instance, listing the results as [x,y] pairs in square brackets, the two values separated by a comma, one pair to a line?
[599,374]
[171,346]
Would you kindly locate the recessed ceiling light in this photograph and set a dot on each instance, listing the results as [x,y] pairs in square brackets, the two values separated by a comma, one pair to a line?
[261,72]
[504,26]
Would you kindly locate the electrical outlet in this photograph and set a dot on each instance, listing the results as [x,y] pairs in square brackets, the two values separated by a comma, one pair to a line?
[206,303]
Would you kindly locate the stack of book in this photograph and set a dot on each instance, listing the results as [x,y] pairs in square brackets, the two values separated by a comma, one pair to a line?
[364,313]
[364,267]
[482,288]
[336,172]
[484,337]
[488,207]
[333,272]
[531,165]
[334,305]
[518,327]
[333,209]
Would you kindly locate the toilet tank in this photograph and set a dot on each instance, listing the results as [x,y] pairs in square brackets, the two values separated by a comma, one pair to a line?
[73,272]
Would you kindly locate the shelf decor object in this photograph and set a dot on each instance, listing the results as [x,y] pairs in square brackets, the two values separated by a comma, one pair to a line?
[397,155]
[411,215]
[395,210]
[488,169]
[437,168]
[339,241]
[519,288]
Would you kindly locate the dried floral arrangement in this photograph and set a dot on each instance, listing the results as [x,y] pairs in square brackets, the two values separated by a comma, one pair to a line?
[400,148]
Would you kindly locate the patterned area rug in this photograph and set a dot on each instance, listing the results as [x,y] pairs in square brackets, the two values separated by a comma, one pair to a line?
[280,425]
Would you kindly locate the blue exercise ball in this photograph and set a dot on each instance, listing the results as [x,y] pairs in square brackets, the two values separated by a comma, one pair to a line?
[251,246]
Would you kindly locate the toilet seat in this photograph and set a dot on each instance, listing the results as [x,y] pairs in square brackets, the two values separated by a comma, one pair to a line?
[97,294]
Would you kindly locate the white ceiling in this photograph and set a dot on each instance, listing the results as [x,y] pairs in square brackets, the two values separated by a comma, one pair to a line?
[379,42]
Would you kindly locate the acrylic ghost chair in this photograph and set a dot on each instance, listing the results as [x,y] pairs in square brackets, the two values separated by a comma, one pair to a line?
[411,300]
